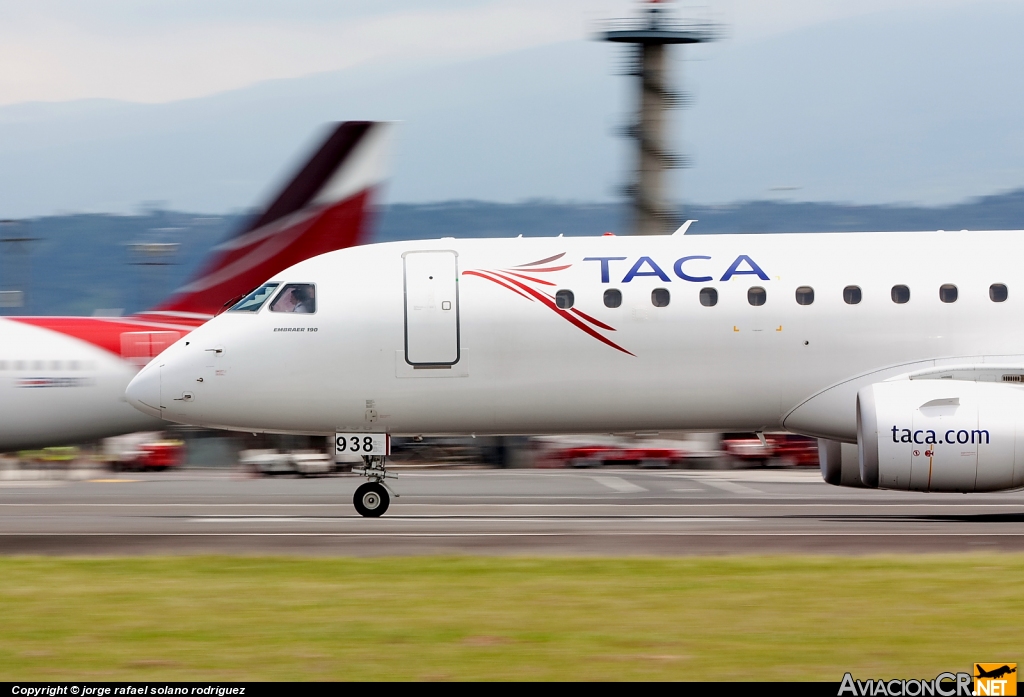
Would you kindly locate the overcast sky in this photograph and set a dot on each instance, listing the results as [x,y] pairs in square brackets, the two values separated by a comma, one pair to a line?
[156,51]
[205,105]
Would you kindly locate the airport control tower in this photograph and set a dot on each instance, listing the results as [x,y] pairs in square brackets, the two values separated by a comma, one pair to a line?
[648,38]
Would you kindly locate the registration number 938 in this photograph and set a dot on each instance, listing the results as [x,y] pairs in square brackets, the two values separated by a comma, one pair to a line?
[377,444]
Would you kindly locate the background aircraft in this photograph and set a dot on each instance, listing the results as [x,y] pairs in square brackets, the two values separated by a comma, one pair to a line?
[62,379]
[904,343]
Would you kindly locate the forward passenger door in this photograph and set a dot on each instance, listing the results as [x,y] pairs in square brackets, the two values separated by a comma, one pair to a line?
[431,308]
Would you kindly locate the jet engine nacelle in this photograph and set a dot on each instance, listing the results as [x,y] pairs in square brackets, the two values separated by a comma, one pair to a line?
[941,435]
[840,465]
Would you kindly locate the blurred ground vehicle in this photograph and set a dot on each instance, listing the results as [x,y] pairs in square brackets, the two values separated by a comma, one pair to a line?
[791,449]
[583,456]
[269,454]
[305,463]
[747,448]
[142,451]
[58,456]
[437,451]
[782,448]
[621,451]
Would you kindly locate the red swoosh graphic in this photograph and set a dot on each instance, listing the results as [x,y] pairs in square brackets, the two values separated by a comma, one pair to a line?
[542,261]
[590,319]
[550,302]
[507,278]
[550,268]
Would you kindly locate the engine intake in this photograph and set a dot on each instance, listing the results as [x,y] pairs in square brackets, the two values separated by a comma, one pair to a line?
[941,435]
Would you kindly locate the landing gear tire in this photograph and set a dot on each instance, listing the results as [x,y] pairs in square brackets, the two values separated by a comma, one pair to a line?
[371,500]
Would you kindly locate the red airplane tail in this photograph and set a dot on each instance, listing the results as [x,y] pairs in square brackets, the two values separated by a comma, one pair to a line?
[324,207]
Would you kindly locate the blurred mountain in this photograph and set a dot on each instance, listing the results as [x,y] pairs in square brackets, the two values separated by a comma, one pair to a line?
[83,263]
[908,106]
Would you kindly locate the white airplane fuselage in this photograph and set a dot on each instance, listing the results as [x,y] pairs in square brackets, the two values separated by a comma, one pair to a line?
[56,388]
[503,358]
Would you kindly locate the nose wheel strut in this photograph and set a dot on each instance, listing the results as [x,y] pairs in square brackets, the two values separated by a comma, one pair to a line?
[373,498]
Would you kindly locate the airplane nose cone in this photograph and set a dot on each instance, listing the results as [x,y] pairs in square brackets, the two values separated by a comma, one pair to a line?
[143,392]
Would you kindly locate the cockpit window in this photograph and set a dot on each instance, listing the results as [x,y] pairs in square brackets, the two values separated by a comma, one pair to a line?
[254,300]
[295,297]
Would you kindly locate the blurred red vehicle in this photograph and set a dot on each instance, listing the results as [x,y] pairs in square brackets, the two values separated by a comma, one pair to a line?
[786,448]
[582,456]
[161,455]
[143,451]
[795,450]
[619,454]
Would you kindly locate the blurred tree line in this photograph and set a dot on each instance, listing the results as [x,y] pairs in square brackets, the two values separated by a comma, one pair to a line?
[86,263]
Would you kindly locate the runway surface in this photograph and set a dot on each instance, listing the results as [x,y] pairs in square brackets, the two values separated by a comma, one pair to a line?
[619,512]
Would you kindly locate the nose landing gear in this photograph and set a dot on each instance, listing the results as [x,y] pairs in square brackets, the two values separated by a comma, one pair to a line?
[373,498]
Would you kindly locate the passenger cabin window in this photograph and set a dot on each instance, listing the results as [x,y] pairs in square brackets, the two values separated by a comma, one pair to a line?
[660,297]
[851,295]
[295,297]
[708,297]
[564,299]
[254,300]
[997,293]
[900,294]
[947,293]
[804,295]
[612,297]
[757,296]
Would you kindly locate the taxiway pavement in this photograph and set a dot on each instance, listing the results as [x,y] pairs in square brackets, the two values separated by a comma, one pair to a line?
[617,512]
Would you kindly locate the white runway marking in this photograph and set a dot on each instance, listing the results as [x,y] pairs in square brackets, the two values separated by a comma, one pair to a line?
[264,519]
[747,476]
[619,484]
[26,483]
[567,533]
[543,501]
[732,487]
[469,519]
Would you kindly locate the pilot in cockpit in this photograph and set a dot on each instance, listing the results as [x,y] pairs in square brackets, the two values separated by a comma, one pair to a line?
[296,297]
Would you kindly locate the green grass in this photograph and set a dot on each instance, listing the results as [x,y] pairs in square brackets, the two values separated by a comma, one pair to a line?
[231,618]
